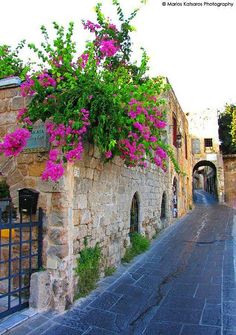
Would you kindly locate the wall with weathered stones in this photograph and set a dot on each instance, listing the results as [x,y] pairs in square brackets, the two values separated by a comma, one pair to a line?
[205,126]
[183,156]
[102,200]
[92,201]
[230,179]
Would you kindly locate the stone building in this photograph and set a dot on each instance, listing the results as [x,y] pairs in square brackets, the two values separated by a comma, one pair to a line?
[230,179]
[180,184]
[100,202]
[208,170]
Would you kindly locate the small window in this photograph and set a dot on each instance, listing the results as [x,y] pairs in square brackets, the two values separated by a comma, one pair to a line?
[208,142]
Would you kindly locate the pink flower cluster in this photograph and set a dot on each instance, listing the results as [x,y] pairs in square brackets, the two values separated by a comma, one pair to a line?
[23,118]
[92,27]
[46,80]
[112,26]
[15,142]
[132,151]
[53,171]
[147,122]
[70,140]
[83,59]
[108,48]
[27,87]
[108,154]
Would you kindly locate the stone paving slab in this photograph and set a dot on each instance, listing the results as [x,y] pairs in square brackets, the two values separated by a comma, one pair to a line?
[16,319]
[184,285]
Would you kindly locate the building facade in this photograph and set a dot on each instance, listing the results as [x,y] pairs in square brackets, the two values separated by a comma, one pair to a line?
[208,169]
[94,201]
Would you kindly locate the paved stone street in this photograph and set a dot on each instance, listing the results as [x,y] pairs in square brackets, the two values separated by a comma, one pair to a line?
[184,285]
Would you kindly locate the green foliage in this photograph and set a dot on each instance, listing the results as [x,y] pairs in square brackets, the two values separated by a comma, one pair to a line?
[88,270]
[4,190]
[10,62]
[109,270]
[100,97]
[139,244]
[227,129]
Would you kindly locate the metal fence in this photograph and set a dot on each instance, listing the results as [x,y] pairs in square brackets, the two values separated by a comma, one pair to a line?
[20,256]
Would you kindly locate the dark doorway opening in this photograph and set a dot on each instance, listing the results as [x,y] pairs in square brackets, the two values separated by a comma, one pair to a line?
[175,197]
[163,207]
[134,214]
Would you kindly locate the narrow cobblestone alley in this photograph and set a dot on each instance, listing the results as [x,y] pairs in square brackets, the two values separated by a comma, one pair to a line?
[184,285]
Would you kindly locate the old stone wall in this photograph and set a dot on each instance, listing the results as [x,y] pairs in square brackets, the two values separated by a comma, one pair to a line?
[102,201]
[205,127]
[183,156]
[230,179]
[92,201]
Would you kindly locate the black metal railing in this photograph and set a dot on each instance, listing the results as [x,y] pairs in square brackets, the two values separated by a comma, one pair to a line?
[20,256]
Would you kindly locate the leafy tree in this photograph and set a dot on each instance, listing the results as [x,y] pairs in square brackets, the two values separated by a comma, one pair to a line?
[10,62]
[227,129]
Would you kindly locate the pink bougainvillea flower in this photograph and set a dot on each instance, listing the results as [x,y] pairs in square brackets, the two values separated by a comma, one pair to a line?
[112,26]
[157,161]
[83,59]
[152,139]
[75,154]
[27,87]
[53,171]
[161,153]
[27,121]
[21,112]
[108,48]
[15,142]
[160,124]
[46,80]
[138,126]
[53,154]
[92,27]
[108,154]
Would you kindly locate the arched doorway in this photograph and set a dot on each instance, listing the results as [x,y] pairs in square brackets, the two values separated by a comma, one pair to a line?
[134,214]
[175,198]
[205,177]
[163,207]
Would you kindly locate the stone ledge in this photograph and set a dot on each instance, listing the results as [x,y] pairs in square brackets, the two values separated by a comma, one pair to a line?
[9,82]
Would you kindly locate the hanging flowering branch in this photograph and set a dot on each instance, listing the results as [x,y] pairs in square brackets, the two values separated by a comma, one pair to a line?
[99,96]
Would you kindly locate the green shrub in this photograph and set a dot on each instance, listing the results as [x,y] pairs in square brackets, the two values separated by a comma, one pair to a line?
[4,190]
[139,244]
[88,270]
[109,270]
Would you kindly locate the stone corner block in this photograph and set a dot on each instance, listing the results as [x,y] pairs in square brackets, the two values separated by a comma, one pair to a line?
[40,291]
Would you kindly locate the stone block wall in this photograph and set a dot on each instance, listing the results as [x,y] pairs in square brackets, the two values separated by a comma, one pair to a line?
[183,156]
[230,179]
[92,201]
[102,200]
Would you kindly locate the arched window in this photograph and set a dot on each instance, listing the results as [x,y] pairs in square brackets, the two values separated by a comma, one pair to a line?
[134,214]
[175,198]
[163,206]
